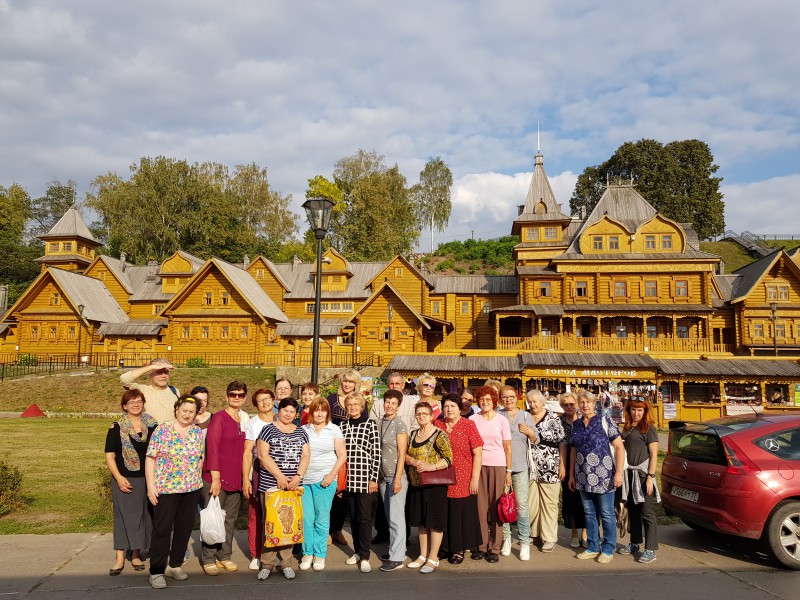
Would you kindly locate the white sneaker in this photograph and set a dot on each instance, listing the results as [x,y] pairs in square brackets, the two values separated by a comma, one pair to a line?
[263,574]
[365,566]
[305,564]
[548,546]
[319,564]
[505,550]
[288,572]
[158,582]
[353,560]
[255,565]
[525,552]
[176,573]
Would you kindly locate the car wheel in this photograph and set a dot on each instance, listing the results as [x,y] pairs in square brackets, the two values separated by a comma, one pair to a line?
[782,534]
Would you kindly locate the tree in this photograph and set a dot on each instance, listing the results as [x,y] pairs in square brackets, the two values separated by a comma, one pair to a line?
[48,209]
[168,204]
[375,217]
[17,269]
[676,178]
[432,195]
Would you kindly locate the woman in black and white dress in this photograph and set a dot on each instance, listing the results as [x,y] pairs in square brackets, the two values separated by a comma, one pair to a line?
[363,446]
[549,468]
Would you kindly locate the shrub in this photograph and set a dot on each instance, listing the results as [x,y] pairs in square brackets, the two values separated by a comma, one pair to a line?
[27,360]
[474,266]
[196,362]
[459,270]
[10,487]
[444,265]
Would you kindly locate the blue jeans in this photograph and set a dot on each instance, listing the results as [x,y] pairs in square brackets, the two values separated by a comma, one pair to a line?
[395,507]
[520,484]
[602,504]
[316,518]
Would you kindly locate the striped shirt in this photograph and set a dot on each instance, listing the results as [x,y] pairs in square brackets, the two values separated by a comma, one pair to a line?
[323,452]
[285,449]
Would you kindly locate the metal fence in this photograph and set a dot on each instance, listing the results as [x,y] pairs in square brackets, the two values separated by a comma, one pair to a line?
[18,365]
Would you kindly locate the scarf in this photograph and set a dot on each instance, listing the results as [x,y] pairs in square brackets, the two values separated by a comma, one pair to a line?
[127,433]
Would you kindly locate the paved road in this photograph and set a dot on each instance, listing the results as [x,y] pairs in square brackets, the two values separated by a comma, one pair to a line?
[689,566]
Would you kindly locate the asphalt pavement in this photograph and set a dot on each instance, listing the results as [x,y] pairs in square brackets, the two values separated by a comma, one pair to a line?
[689,566]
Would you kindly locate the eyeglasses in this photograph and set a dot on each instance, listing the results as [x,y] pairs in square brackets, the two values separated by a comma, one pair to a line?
[509,397]
[429,385]
[135,402]
[237,394]
[265,399]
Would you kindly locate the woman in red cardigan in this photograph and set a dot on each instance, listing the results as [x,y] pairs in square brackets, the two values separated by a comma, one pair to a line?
[222,473]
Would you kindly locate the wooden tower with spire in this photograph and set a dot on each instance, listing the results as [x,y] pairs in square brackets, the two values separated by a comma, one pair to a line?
[69,245]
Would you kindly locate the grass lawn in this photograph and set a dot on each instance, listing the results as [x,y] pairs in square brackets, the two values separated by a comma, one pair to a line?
[733,254]
[90,391]
[59,459]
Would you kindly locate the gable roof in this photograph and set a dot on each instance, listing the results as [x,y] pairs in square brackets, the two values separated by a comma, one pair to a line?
[113,265]
[301,283]
[194,262]
[388,284]
[70,225]
[539,190]
[408,265]
[250,290]
[751,274]
[99,304]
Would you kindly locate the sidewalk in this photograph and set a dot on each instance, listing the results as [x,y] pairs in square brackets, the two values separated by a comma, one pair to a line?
[689,565]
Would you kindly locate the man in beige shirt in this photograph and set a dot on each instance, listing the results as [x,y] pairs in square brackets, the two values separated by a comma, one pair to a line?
[159,395]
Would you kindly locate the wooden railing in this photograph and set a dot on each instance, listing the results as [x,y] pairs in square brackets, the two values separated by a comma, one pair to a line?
[546,343]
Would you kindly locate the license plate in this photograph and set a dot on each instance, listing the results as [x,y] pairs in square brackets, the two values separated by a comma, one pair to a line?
[685,494]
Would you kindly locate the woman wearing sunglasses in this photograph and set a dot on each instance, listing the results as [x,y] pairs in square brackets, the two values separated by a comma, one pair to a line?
[427,389]
[222,473]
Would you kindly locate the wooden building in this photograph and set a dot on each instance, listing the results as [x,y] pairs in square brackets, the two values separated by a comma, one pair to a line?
[608,298]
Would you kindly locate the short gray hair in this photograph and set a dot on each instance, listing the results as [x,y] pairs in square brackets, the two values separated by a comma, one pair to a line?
[536,394]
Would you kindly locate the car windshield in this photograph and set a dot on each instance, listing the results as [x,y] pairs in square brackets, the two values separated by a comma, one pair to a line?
[701,446]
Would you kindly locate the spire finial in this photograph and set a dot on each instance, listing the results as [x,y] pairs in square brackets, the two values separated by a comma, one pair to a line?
[538,144]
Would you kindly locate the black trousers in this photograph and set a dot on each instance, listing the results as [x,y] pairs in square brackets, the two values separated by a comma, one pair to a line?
[359,507]
[643,517]
[173,518]
[338,513]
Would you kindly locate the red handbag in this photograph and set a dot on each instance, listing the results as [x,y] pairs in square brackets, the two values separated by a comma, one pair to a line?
[341,479]
[507,507]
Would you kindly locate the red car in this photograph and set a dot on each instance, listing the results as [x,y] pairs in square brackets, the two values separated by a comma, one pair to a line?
[738,475]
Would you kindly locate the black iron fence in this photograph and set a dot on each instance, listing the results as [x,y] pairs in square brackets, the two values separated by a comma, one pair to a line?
[18,365]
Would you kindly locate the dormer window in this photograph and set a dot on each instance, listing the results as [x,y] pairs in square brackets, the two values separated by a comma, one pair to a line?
[613,242]
[55,299]
[649,242]
[551,233]
[666,242]
[597,242]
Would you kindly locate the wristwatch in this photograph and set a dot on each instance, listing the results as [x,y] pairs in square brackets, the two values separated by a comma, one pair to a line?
[653,475]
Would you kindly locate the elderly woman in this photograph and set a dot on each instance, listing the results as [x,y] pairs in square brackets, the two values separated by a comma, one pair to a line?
[363,467]
[427,389]
[428,450]
[328,453]
[203,418]
[283,456]
[349,382]
[126,443]
[308,393]
[639,488]
[549,464]
[173,471]
[597,462]
[222,473]
[264,401]
[468,405]
[523,434]
[393,481]
[463,525]
[571,505]
[495,471]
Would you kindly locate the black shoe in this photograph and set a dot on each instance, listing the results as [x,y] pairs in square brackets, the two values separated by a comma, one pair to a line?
[379,539]
[384,557]
[456,559]
[391,565]
[442,554]
[478,555]
[492,557]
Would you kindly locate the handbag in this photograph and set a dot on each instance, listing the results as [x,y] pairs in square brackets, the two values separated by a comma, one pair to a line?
[341,478]
[507,507]
[283,518]
[439,477]
[212,522]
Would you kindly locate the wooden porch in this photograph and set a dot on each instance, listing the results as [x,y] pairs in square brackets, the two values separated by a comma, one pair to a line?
[569,343]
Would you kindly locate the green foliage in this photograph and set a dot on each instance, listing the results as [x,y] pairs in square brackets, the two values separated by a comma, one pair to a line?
[474,266]
[460,270]
[48,209]
[27,360]
[103,485]
[432,195]
[676,178]
[10,487]
[444,265]
[196,362]
[494,253]
[733,255]
[168,204]
[378,220]
[17,269]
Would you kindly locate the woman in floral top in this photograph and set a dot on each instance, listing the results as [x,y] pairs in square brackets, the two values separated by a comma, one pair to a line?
[571,505]
[596,473]
[173,471]
[428,450]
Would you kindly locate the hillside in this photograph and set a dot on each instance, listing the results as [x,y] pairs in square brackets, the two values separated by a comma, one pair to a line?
[474,257]
[734,255]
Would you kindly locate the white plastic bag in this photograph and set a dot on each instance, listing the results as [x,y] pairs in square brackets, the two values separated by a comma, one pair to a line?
[212,522]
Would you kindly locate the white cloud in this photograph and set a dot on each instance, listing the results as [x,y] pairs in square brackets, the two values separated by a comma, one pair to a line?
[763,207]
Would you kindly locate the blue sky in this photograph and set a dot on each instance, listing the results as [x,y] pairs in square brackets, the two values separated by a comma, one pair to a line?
[90,86]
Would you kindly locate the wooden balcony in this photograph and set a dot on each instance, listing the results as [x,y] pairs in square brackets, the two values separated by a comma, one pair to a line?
[560,342]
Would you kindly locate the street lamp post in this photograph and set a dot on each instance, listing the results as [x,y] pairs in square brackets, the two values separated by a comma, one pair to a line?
[81,307]
[318,211]
[390,326]
[773,309]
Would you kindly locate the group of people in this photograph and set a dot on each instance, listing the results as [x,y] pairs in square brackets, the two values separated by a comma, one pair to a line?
[440,464]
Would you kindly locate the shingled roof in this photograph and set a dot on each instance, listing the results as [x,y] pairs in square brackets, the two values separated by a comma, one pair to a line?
[70,225]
